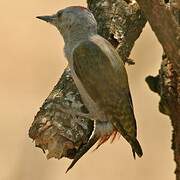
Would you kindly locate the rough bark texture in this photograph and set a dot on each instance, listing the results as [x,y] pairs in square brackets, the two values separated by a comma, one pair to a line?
[62,125]
[120,22]
[164,18]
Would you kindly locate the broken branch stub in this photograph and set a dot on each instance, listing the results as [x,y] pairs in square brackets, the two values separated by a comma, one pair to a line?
[61,126]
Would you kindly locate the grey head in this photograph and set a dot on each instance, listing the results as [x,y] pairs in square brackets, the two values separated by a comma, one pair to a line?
[73,19]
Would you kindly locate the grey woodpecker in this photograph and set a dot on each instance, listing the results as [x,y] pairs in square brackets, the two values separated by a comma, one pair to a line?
[100,76]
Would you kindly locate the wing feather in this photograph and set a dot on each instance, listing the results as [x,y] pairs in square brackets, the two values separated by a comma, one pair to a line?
[104,77]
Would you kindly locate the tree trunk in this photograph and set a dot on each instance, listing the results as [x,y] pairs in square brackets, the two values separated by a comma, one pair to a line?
[164,18]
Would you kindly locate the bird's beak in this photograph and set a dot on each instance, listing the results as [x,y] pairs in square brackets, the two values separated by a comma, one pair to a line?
[49,19]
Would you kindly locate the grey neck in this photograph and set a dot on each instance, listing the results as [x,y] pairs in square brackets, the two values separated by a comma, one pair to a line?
[73,37]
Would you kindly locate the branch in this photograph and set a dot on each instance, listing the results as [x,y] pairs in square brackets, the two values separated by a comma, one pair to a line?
[165,25]
[62,125]
[120,22]
[164,18]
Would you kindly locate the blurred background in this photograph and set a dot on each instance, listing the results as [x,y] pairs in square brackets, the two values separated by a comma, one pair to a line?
[32,61]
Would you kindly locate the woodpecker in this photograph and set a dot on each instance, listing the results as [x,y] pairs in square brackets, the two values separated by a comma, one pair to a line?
[100,76]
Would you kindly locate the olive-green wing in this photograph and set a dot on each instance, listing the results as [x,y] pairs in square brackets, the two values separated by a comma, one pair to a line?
[103,75]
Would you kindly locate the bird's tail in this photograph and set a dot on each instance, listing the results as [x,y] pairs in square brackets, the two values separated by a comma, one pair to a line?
[136,148]
[83,150]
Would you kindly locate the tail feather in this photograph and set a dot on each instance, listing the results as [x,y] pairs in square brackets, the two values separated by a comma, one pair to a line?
[136,148]
[83,150]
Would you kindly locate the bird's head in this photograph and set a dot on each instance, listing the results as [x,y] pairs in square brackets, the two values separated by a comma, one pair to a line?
[70,19]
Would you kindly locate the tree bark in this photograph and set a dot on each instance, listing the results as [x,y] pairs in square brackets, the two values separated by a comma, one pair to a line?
[164,18]
[62,125]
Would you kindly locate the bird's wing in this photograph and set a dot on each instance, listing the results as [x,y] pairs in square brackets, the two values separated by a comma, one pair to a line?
[103,75]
